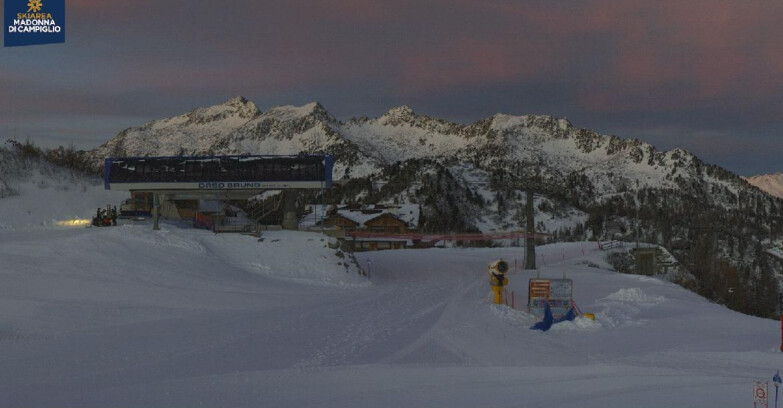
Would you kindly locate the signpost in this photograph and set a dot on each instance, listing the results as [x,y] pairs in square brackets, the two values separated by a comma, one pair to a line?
[760,399]
[776,380]
[780,299]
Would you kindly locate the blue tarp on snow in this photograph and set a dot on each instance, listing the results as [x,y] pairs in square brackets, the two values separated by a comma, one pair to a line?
[548,321]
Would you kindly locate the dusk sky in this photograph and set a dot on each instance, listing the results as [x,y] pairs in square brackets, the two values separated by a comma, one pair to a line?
[706,76]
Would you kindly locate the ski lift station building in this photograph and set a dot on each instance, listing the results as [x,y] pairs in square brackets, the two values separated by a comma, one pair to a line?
[172,181]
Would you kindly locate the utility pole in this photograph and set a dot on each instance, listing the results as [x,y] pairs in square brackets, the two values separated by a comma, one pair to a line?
[525,177]
[530,243]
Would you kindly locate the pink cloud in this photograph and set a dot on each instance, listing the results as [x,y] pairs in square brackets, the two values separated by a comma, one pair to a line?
[353,11]
[664,54]
[616,55]
[467,62]
[711,49]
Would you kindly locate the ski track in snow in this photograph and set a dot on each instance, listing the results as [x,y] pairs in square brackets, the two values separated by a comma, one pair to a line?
[130,317]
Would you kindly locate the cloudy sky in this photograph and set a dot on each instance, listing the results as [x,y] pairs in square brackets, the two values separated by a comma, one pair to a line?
[705,75]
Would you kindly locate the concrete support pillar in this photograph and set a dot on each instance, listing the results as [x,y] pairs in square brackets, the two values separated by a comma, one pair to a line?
[290,220]
[155,211]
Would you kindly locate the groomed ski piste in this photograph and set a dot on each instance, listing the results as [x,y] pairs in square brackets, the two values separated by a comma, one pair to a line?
[130,317]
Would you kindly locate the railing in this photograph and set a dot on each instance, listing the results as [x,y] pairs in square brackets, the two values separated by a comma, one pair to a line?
[604,246]
[267,207]
[448,237]
[232,224]
[221,223]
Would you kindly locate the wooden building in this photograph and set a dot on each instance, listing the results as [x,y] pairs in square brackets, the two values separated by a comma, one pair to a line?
[381,219]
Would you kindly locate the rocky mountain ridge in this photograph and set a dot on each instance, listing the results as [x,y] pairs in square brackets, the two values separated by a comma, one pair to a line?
[771,183]
[545,146]
[499,153]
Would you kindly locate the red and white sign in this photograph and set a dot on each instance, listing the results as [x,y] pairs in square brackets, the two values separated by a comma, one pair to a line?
[760,395]
[558,293]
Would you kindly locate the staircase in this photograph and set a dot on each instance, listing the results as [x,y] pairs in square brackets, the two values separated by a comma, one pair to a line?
[264,213]
[664,261]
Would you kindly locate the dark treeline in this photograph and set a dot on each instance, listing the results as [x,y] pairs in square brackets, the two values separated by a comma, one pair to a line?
[67,157]
[718,236]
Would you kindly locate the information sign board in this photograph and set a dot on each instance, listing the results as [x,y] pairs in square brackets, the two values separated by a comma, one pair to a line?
[557,292]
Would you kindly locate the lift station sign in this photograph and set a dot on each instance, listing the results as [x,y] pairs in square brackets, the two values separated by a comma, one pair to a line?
[557,292]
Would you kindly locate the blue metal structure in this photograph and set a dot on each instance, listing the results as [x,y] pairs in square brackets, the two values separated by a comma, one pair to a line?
[210,173]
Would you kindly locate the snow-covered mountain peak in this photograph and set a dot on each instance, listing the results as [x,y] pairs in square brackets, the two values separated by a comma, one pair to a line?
[502,121]
[363,146]
[195,132]
[239,102]
[770,183]
[400,111]
[397,116]
[237,106]
[292,112]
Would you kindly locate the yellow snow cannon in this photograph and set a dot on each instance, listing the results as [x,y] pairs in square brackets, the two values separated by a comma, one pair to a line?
[497,278]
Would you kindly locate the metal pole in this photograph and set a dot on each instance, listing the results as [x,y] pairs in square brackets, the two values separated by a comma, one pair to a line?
[530,244]
[323,206]
[780,299]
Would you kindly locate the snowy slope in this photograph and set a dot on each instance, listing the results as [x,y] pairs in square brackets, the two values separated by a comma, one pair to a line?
[771,183]
[127,317]
[37,194]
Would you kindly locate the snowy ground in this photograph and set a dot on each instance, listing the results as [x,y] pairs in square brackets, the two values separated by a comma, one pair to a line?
[130,317]
[43,202]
